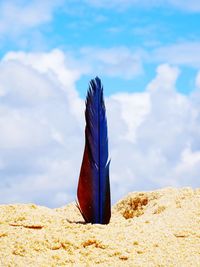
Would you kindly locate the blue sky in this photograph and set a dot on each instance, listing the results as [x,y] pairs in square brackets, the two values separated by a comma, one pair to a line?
[142,28]
[148,56]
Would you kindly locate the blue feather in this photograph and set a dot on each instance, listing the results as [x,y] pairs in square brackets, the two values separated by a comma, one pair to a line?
[94,186]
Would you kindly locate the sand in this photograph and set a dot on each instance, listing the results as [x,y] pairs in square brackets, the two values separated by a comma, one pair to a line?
[159,228]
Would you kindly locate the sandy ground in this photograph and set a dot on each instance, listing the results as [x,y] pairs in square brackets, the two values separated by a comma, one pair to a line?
[159,228]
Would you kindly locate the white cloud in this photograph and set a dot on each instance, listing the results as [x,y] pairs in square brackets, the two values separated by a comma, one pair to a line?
[2,166]
[17,16]
[20,129]
[52,70]
[122,4]
[114,62]
[41,127]
[19,86]
[165,128]
[121,106]
[191,6]
[184,53]
[197,82]
[170,127]
[165,79]
[153,136]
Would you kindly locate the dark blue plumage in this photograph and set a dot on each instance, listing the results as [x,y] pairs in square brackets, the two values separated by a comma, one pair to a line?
[94,186]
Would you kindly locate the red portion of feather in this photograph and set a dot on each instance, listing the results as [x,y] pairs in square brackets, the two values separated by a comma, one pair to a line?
[84,192]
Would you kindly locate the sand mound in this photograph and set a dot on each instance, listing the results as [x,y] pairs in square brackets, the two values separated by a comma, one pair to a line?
[159,228]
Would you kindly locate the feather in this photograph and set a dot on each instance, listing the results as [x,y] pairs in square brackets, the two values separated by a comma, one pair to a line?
[94,186]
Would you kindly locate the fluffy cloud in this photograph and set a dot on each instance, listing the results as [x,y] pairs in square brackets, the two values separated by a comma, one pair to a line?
[192,6]
[163,147]
[153,136]
[115,62]
[198,80]
[41,127]
[184,53]
[17,16]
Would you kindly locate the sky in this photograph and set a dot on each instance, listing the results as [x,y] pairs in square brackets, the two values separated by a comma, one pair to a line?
[147,54]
